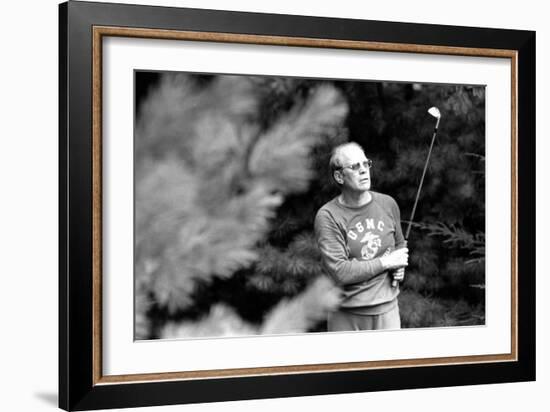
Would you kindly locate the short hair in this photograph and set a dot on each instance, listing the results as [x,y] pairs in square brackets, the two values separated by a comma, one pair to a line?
[336,158]
[335,161]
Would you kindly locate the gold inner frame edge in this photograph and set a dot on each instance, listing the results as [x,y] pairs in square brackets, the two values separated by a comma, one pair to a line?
[101,31]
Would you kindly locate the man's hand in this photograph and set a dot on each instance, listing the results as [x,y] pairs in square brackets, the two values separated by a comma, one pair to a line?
[399,275]
[397,259]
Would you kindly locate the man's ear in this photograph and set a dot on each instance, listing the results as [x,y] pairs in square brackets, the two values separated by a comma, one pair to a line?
[337,174]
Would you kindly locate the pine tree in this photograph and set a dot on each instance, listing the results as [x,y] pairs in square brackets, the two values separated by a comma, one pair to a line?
[209,180]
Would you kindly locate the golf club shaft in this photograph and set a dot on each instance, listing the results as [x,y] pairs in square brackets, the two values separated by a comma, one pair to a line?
[420,185]
[395,282]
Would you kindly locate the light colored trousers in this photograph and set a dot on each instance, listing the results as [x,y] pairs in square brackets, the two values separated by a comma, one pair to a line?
[341,321]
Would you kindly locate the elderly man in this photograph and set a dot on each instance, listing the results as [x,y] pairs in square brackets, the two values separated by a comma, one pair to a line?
[359,235]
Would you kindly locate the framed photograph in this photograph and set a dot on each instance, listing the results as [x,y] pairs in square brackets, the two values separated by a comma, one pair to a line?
[258,206]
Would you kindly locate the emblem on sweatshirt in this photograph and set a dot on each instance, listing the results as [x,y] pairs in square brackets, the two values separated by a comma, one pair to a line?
[372,244]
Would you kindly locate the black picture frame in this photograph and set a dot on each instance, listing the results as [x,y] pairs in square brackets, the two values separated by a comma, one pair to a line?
[78,375]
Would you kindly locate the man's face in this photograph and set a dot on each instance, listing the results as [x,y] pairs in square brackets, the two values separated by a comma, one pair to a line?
[354,180]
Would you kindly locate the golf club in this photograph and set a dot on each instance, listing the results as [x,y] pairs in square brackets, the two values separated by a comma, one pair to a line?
[434,111]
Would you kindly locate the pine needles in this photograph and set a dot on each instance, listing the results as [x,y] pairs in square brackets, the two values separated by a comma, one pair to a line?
[209,182]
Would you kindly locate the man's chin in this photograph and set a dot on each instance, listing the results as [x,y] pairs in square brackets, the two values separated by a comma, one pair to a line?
[363,189]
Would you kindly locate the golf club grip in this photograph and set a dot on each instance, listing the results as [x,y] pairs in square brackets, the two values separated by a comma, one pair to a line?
[395,282]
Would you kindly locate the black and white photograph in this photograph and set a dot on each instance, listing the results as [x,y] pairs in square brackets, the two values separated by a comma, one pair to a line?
[214,206]
[268,205]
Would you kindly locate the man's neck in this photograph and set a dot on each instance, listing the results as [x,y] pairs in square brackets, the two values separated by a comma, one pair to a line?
[355,199]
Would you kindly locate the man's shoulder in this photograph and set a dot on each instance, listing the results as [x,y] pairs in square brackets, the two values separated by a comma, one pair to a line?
[328,207]
[383,198]
[329,216]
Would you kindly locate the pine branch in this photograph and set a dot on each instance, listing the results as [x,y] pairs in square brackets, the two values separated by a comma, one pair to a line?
[169,116]
[221,321]
[208,245]
[281,156]
[142,304]
[457,237]
[453,234]
[296,262]
[289,316]
[201,208]
[475,155]
[302,312]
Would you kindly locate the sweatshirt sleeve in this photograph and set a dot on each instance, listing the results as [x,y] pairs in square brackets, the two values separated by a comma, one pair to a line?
[400,241]
[333,248]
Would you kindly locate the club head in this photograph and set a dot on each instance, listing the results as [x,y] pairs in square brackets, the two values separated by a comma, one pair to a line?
[434,111]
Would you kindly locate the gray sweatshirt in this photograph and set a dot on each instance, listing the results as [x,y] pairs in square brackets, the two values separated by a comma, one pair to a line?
[351,240]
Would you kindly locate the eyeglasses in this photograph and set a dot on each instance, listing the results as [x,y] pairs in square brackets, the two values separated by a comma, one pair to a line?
[367,164]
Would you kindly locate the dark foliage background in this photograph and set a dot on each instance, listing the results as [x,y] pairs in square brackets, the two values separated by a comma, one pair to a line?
[215,154]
